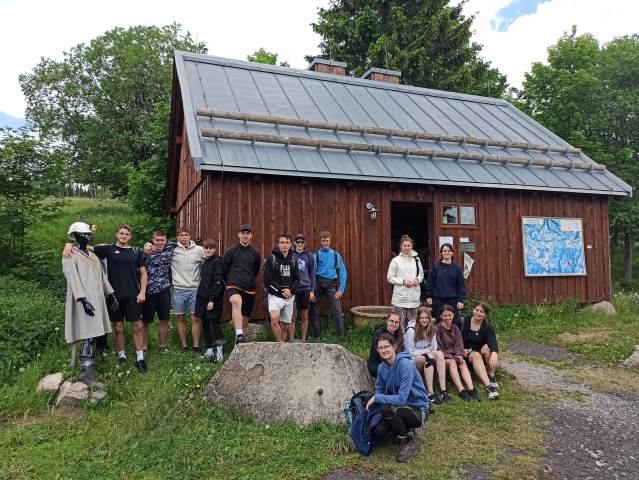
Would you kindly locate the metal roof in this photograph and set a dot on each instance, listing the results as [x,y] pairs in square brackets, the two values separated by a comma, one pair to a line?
[238,86]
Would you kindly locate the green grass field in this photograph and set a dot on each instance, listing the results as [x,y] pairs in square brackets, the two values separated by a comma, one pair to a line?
[157,426]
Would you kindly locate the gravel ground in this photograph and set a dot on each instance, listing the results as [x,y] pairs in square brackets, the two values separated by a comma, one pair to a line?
[541,351]
[346,474]
[597,438]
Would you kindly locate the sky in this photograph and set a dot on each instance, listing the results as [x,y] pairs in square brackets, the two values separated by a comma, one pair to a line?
[514,33]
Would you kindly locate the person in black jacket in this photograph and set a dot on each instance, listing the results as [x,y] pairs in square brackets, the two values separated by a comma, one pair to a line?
[392,326]
[281,279]
[241,265]
[209,300]
[445,283]
[480,347]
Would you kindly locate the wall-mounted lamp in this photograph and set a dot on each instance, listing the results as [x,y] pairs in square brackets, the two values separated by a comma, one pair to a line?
[372,210]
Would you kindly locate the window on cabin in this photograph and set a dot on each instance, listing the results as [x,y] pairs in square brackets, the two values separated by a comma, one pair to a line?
[449,214]
[458,214]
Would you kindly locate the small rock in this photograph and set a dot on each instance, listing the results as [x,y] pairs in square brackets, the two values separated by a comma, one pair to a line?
[97,396]
[71,394]
[600,464]
[633,359]
[604,307]
[99,386]
[50,383]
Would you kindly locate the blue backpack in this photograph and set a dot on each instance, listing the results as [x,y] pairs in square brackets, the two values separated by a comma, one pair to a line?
[359,428]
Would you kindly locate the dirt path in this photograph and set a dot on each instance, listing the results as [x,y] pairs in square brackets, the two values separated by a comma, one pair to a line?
[593,438]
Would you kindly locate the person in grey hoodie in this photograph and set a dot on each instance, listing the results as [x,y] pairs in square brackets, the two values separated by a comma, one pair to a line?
[306,290]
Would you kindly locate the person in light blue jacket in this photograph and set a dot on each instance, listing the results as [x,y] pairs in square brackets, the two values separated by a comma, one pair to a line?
[330,273]
[400,391]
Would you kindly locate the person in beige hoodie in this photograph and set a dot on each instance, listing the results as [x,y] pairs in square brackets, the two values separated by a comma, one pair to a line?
[405,273]
[185,276]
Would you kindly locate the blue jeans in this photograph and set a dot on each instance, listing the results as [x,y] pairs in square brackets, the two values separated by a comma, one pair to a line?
[183,300]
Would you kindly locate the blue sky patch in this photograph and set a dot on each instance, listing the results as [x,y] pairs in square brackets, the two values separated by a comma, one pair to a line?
[511,12]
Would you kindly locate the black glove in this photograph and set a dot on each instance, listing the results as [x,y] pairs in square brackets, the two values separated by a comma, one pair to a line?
[88,308]
[112,302]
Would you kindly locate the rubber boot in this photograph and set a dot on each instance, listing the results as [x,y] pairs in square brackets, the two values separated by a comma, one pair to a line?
[407,449]
[87,375]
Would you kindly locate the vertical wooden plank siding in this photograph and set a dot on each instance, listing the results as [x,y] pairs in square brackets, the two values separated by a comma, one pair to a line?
[279,204]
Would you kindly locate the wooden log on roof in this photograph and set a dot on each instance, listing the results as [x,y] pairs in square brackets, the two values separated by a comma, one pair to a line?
[422,152]
[388,132]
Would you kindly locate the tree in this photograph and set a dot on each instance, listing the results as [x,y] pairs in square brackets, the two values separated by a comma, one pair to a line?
[30,171]
[263,56]
[100,99]
[589,95]
[428,40]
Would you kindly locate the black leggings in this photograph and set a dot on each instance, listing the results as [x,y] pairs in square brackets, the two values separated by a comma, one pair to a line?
[398,420]
[211,325]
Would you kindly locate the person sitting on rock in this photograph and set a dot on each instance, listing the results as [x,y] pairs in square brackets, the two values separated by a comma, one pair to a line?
[88,294]
[391,326]
[421,343]
[449,340]
[480,346]
[399,389]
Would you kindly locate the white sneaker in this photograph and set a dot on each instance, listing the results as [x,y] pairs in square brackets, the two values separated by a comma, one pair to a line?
[492,393]
[493,382]
[219,355]
[208,355]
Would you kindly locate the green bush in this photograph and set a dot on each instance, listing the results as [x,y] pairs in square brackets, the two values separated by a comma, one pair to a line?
[30,320]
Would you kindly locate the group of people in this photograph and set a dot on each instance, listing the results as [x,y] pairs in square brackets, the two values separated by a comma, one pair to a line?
[140,281]
[413,343]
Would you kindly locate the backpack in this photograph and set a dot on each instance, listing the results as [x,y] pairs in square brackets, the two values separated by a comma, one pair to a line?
[360,433]
[317,263]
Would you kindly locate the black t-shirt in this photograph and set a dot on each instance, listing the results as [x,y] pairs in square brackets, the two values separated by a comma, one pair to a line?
[123,267]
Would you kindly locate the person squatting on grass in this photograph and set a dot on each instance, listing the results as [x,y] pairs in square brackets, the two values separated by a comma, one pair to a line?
[210,300]
[405,273]
[399,389]
[281,279]
[331,282]
[480,347]
[392,327]
[421,343]
[241,265]
[445,283]
[449,340]
[305,293]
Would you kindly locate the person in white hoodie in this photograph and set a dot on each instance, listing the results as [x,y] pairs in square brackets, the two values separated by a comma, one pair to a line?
[405,273]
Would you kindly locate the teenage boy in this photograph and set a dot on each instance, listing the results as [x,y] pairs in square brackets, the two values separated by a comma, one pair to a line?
[329,268]
[210,299]
[185,272]
[281,278]
[305,292]
[158,290]
[126,270]
[241,265]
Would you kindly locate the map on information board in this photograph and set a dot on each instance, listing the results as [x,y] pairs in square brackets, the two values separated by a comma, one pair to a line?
[553,246]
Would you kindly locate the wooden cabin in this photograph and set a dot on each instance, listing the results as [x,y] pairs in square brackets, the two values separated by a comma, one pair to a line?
[370,159]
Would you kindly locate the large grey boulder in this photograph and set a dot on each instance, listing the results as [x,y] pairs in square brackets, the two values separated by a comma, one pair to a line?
[604,307]
[299,382]
[633,359]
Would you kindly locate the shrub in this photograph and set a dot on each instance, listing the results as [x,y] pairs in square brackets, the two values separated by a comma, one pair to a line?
[30,319]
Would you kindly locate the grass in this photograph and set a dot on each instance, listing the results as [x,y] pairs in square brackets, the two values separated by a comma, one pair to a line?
[157,426]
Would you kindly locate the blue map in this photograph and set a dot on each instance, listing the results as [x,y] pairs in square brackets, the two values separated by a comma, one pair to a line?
[553,246]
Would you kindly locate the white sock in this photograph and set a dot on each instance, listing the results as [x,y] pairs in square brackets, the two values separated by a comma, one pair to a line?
[239,331]
[219,350]
[139,355]
[121,354]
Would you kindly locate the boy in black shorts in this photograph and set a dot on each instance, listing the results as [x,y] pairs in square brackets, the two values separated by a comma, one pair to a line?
[305,292]
[241,264]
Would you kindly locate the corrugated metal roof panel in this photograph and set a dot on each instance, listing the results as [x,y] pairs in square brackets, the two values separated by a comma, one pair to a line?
[233,85]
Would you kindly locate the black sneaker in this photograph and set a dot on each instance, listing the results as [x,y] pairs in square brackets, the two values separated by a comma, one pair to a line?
[164,349]
[474,395]
[446,397]
[436,398]
[493,382]
[493,394]
[185,349]
[122,360]
[197,350]
[240,339]
[465,396]
[141,366]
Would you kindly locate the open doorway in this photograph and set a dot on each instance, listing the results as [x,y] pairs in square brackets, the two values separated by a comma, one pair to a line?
[411,218]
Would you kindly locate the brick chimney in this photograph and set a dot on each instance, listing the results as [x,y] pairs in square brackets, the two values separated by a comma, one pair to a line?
[382,75]
[327,66]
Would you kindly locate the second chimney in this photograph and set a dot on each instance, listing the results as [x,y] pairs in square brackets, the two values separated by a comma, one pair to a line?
[382,75]
[327,66]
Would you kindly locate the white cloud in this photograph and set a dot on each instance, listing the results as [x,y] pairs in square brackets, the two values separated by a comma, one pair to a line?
[528,38]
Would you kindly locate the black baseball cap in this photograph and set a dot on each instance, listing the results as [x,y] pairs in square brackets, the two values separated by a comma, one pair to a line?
[299,236]
[245,227]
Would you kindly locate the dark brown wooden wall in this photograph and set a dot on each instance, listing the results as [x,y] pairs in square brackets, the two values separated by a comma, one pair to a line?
[213,205]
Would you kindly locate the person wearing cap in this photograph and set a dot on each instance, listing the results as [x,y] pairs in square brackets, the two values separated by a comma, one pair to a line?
[241,264]
[88,294]
[305,292]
